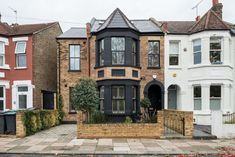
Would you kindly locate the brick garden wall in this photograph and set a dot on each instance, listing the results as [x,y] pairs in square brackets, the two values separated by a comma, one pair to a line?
[20,128]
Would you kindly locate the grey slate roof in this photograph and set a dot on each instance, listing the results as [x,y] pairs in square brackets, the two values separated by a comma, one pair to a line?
[146,26]
[74,32]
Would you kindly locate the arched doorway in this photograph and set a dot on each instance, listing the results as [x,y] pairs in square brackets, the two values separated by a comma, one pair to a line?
[173,97]
[154,90]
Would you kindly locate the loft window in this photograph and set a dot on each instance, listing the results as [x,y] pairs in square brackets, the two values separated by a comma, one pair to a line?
[74,57]
[2,53]
[20,54]
[118,50]
[197,92]
[174,53]
[101,93]
[134,97]
[153,54]
[215,97]
[133,52]
[101,52]
[118,99]
[215,50]
[197,53]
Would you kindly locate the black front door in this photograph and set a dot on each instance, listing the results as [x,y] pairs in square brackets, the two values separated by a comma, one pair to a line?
[48,100]
[155,97]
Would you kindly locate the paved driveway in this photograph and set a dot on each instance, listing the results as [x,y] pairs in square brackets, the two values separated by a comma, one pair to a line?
[62,140]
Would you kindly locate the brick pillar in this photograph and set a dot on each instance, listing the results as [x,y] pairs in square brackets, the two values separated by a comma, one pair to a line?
[188,123]
[160,122]
[20,128]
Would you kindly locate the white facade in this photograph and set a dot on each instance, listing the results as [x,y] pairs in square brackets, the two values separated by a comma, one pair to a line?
[187,75]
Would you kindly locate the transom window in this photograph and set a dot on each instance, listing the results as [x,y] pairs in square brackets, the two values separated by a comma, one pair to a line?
[153,54]
[101,52]
[197,92]
[133,52]
[215,97]
[20,54]
[197,51]
[74,57]
[174,53]
[2,53]
[118,99]
[2,99]
[215,50]
[101,92]
[118,50]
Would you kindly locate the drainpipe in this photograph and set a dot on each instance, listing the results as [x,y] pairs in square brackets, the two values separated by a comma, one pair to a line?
[58,63]
[88,32]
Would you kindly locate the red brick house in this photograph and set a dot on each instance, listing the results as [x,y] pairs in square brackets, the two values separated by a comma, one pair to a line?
[28,65]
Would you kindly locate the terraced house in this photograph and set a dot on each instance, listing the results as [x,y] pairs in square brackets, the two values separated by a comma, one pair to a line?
[125,57]
[28,65]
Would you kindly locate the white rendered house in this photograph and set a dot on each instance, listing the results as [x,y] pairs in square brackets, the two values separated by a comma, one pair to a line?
[199,65]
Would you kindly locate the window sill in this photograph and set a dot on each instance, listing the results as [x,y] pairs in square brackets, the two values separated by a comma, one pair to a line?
[153,67]
[174,68]
[74,70]
[210,65]
[5,67]
[124,66]
[20,68]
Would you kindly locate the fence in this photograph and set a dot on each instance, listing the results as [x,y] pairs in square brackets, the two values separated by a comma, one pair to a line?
[229,118]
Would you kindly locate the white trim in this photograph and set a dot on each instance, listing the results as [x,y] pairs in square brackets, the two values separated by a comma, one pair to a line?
[5,40]
[5,83]
[20,39]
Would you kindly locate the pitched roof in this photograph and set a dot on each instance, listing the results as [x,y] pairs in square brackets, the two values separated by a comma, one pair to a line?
[74,32]
[15,29]
[176,27]
[117,20]
[146,26]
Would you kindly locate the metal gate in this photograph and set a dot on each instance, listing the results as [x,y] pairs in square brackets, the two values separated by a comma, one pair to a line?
[174,127]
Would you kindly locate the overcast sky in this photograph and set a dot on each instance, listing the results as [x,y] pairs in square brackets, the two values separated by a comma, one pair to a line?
[75,13]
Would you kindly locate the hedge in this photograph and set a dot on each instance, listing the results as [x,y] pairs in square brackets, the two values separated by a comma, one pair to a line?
[36,120]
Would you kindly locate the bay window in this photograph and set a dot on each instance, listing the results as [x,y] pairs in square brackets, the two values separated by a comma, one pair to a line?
[153,54]
[74,57]
[118,99]
[133,52]
[174,53]
[101,93]
[197,94]
[101,52]
[215,50]
[197,53]
[118,50]
[215,97]
[2,53]
[20,54]
[134,97]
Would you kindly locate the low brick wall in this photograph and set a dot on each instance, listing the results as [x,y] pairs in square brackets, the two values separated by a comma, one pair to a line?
[121,130]
[179,121]
[20,128]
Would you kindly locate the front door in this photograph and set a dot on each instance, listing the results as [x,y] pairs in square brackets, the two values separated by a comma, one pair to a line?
[172,98]
[155,97]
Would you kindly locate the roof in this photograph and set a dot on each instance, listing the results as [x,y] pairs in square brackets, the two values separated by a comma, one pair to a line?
[15,29]
[117,20]
[146,26]
[176,27]
[74,32]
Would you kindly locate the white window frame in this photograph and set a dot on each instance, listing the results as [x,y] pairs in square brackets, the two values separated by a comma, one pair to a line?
[194,52]
[4,97]
[22,52]
[217,50]
[22,93]
[2,53]
[174,54]
[197,98]
[216,98]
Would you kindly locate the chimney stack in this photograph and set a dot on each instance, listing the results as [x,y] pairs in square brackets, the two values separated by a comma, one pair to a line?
[217,8]
[88,29]
[165,27]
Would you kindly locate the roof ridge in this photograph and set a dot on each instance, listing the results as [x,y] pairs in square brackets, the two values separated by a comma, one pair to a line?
[125,18]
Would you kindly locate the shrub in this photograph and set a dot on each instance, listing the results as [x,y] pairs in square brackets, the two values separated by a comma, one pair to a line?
[128,120]
[145,103]
[60,109]
[97,118]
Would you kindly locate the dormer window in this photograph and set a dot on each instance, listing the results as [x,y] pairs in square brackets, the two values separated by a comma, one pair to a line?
[20,54]
[2,53]
[118,50]
[215,50]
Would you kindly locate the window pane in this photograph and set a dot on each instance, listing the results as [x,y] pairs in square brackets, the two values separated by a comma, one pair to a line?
[2,47]
[22,101]
[121,92]
[1,105]
[122,105]
[118,44]
[215,104]
[153,60]
[174,60]
[1,60]
[197,48]
[174,47]
[20,47]
[74,63]
[197,58]
[1,92]
[153,47]
[197,92]
[215,57]
[133,46]
[215,91]
[197,104]
[118,58]
[114,92]
[114,104]
[134,92]
[71,106]
[23,89]
[102,92]
[215,46]
[21,60]
[101,45]
[77,51]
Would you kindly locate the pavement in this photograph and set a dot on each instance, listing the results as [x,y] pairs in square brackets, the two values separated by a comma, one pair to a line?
[61,140]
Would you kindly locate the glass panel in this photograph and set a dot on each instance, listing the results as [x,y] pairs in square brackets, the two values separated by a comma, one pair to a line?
[71,106]
[174,60]
[197,58]
[121,92]
[1,92]
[215,104]
[74,63]
[197,92]
[21,60]
[22,101]
[122,105]
[77,51]
[2,47]
[197,104]
[102,92]
[174,47]
[134,92]
[118,44]
[197,48]
[1,60]
[101,45]
[114,92]
[20,47]
[215,46]
[153,47]
[118,57]
[215,91]
[114,104]
[153,60]
[71,50]
[133,46]
[215,57]
[1,105]
[23,89]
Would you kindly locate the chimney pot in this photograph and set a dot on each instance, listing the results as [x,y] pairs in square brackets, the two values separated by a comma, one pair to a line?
[215,2]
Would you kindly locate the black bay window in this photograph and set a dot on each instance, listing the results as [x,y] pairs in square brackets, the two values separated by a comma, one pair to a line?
[101,52]
[154,54]
[118,50]
[101,93]
[134,52]
[118,99]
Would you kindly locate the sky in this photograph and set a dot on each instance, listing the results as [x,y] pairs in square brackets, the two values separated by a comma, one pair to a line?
[76,13]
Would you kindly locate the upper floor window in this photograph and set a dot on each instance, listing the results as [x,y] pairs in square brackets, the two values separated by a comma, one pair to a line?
[215,97]
[153,54]
[118,50]
[133,52]
[74,57]
[118,99]
[174,53]
[20,54]
[2,53]
[197,92]
[197,53]
[101,52]
[215,50]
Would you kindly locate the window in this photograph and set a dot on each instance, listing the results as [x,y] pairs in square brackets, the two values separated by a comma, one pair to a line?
[118,99]
[21,54]
[101,92]
[2,54]
[134,96]
[197,51]
[174,53]
[197,92]
[101,52]
[22,97]
[2,99]
[118,50]
[133,52]
[74,57]
[71,106]
[215,50]
[154,54]
[215,97]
